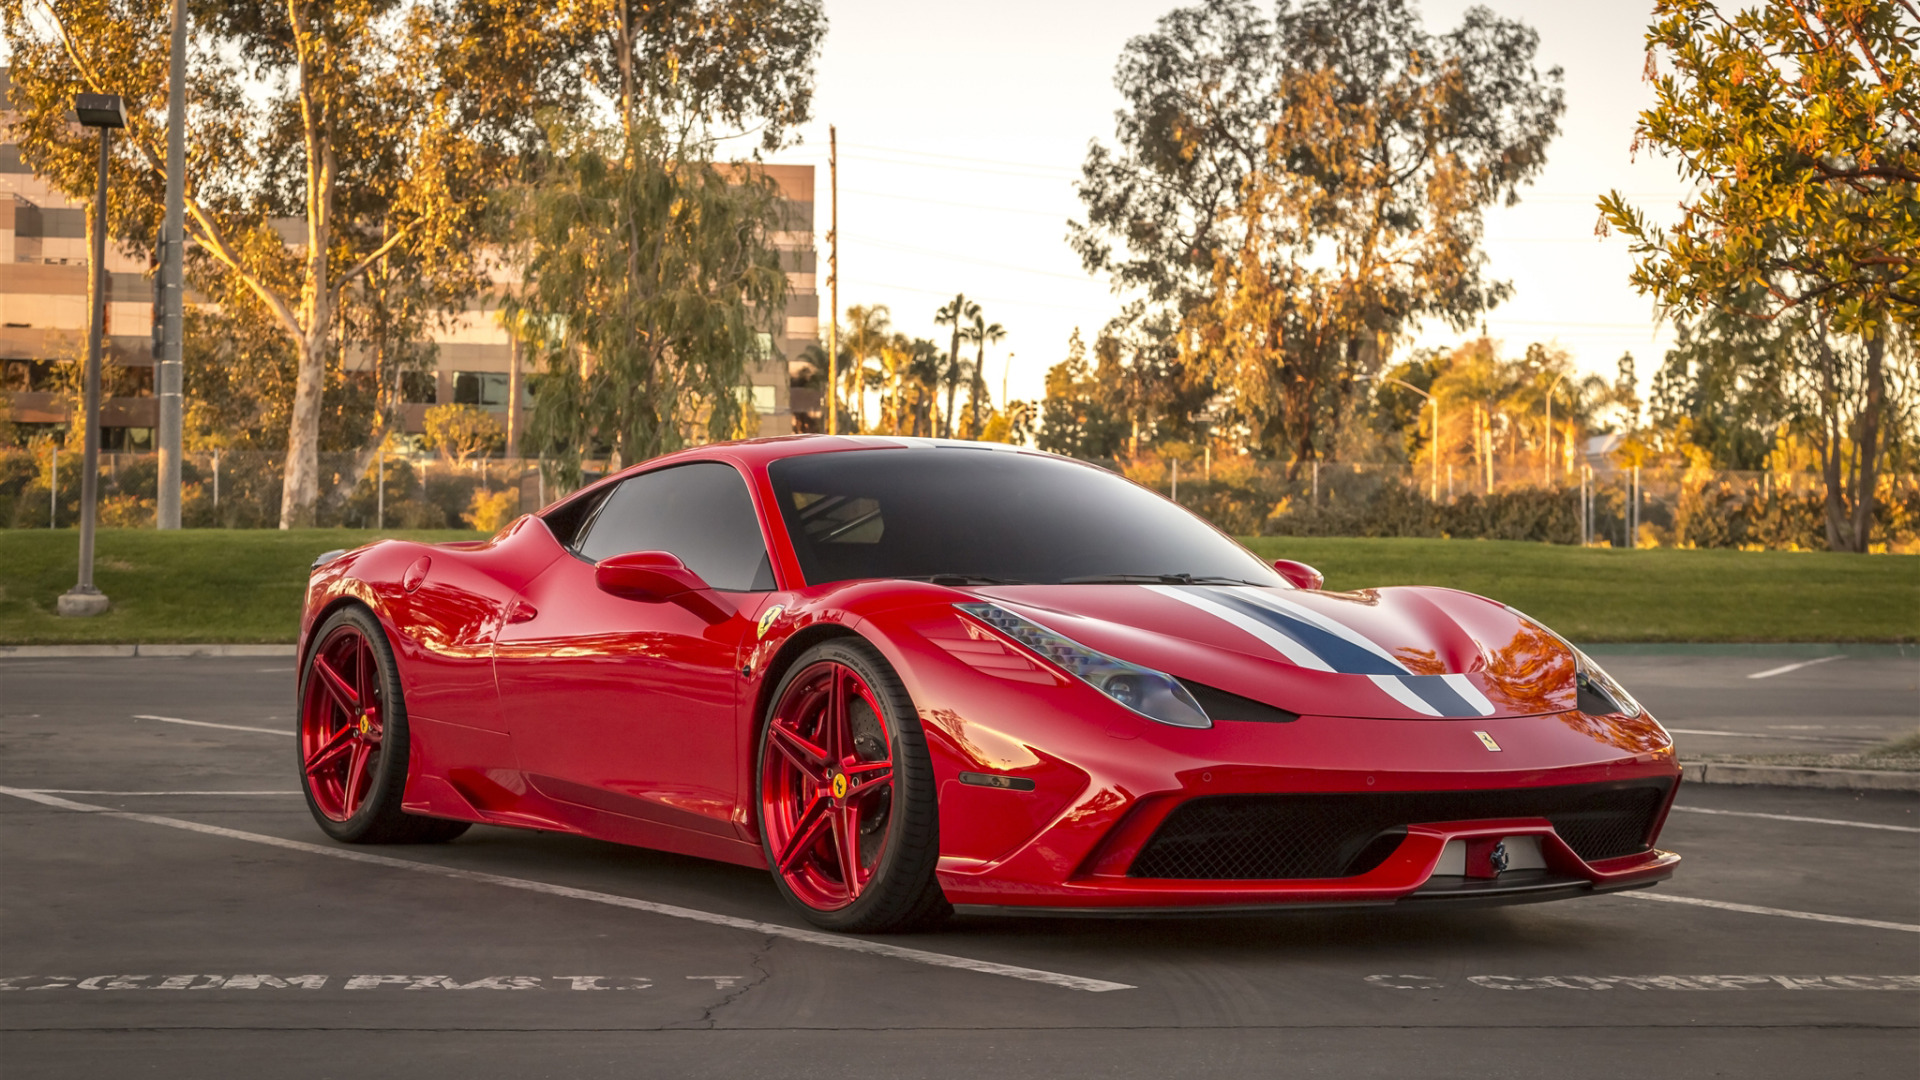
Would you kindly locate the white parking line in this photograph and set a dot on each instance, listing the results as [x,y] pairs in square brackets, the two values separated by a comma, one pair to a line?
[1784,668]
[1750,909]
[1771,735]
[89,791]
[206,723]
[811,937]
[1796,817]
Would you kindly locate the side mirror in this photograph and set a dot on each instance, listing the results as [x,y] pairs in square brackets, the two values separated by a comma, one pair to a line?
[1302,575]
[651,577]
[659,577]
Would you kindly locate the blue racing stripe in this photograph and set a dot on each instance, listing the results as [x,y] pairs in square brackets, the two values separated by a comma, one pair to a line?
[1433,690]
[1340,654]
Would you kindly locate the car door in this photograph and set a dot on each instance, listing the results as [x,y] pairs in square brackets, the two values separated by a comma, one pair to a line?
[630,707]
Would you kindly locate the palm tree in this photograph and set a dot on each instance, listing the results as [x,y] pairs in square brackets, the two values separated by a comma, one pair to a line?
[956,314]
[866,333]
[924,372]
[982,334]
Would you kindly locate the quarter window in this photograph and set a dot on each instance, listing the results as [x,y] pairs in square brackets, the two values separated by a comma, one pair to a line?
[699,512]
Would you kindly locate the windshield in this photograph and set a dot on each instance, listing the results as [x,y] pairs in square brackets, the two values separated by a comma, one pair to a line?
[988,517]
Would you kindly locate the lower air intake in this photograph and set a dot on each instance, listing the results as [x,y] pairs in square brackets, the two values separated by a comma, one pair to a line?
[1268,837]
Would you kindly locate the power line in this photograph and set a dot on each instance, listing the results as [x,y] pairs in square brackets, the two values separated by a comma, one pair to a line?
[908,248]
[963,205]
[1102,313]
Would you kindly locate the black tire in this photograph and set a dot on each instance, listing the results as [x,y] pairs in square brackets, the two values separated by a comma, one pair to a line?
[378,819]
[902,893]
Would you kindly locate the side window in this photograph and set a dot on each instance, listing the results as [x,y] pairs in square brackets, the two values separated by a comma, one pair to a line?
[700,512]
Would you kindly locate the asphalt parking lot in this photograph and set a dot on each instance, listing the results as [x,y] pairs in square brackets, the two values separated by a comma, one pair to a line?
[201,926]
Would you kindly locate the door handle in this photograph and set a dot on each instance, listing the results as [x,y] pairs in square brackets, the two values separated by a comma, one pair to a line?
[521,612]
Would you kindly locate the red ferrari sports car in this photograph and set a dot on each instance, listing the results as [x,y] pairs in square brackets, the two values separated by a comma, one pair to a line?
[913,677]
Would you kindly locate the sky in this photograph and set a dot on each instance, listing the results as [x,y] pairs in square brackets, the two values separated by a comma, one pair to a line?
[962,130]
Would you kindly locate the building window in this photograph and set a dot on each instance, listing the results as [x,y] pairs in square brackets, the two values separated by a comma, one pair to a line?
[126,440]
[758,398]
[486,388]
[419,387]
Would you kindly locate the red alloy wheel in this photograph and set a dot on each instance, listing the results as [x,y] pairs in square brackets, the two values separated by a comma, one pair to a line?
[342,722]
[826,785]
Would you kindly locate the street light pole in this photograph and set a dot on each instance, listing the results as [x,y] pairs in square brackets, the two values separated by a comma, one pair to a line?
[1433,451]
[106,112]
[1546,465]
[166,366]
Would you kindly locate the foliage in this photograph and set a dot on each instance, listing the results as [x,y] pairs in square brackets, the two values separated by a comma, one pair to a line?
[954,369]
[864,337]
[979,333]
[650,280]
[461,431]
[332,115]
[1796,123]
[1724,388]
[489,512]
[1305,189]
[378,127]
[1082,414]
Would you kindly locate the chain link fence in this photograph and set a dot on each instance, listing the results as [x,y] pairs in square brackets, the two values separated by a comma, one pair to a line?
[1616,507]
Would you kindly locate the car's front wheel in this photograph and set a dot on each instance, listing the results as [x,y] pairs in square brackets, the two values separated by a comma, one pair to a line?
[353,737]
[848,815]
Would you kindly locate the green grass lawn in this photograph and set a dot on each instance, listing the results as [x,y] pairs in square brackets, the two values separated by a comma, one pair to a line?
[196,585]
[1600,594]
[219,585]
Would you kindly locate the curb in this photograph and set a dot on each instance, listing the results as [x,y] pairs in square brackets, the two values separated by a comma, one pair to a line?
[1800,776]
[64,652]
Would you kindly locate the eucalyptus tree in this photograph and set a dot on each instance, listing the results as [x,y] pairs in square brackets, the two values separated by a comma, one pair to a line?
[1302,190]
[379,128]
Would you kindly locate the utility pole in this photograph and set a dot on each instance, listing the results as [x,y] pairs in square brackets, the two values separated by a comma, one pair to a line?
[105,112]
[833,280]
[166,364]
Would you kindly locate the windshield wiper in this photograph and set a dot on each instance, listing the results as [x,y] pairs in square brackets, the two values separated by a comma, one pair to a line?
[1157,579]
[963,579]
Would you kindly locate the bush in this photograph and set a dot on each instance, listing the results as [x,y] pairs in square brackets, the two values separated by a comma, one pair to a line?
[489,512]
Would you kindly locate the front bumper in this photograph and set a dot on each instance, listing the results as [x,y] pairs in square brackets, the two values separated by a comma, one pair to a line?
[1080,856]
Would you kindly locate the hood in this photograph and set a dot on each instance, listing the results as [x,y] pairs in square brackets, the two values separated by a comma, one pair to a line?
[1399,653]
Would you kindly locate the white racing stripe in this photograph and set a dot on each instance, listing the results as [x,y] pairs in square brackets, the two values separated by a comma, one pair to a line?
[1311,617]
[1470,694]
[207,723]
[1279,642]
[811,937]
[1784,668]
[1784,913]
[1403,694]
[1796,817]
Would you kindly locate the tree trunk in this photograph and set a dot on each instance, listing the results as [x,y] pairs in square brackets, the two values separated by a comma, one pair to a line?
[300,490]
[1832,452]
[1866,443]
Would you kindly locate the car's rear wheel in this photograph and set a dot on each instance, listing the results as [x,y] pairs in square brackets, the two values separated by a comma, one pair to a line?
[353,738]
[848,815]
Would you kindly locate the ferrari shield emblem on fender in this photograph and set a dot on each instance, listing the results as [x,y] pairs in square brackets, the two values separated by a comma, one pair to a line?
[767,617]
[1487,741]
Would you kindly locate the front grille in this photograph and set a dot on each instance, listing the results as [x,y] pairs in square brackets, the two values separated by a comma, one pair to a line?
[1241,837]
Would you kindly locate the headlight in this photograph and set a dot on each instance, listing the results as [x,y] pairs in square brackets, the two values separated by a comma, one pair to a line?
[1153,694]
[1599,694]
